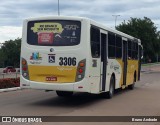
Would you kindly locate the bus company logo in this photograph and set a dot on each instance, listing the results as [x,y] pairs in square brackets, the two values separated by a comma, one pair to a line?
[35,56]
[116,67]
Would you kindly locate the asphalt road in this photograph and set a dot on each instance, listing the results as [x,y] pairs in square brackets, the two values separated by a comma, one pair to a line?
[144,100]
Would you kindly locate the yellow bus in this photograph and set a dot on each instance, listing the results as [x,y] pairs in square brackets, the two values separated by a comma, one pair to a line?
[76,54]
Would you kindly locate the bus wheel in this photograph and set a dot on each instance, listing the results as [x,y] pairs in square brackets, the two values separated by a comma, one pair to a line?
[110,93]
[64,93]
[131,87]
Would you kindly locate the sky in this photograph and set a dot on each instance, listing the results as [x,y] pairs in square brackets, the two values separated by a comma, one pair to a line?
[13,12]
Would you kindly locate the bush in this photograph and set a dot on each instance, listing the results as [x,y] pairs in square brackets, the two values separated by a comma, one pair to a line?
[9,83]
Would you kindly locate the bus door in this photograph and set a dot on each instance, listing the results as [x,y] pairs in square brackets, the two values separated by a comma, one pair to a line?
[125,54]
[95,71]
[103,60]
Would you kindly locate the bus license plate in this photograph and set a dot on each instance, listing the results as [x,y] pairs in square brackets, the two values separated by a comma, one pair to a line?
[51,78]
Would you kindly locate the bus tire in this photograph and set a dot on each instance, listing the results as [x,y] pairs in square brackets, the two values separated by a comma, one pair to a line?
[64,93]
[131,87]
[110,93]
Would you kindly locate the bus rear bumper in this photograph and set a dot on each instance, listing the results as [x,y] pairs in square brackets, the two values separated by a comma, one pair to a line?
[81,86]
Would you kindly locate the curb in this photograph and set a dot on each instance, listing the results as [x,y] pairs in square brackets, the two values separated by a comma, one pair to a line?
[9,89]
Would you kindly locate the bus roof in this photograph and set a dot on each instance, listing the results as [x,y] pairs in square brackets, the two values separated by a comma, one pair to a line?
[59,18]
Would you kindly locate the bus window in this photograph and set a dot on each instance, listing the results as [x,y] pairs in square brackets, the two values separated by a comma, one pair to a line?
[129,49]
[111,45]
[95,42]
[134,50]
[53,33]
[118,46]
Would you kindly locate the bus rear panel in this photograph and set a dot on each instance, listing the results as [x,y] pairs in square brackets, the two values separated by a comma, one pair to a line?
[53,56]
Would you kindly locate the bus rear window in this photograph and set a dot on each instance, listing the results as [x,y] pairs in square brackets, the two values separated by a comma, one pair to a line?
[54,33]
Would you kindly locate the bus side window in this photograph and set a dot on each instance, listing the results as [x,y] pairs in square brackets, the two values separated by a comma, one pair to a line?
[129,49]
[111,45]
[135,50]
[118,46]
[95,42]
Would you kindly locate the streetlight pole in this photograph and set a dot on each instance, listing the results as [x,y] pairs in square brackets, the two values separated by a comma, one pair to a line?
[58,8]
[115,19]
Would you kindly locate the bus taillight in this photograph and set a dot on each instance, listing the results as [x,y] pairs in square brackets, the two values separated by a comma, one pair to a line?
[25,69]
[82,64]
[81,70]
[24,62]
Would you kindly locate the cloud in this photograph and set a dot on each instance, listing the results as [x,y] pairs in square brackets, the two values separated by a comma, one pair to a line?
[10,32]
[13,12]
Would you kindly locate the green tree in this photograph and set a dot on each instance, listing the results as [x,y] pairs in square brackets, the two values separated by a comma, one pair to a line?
[10,52]
[1,58]
[146,31]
